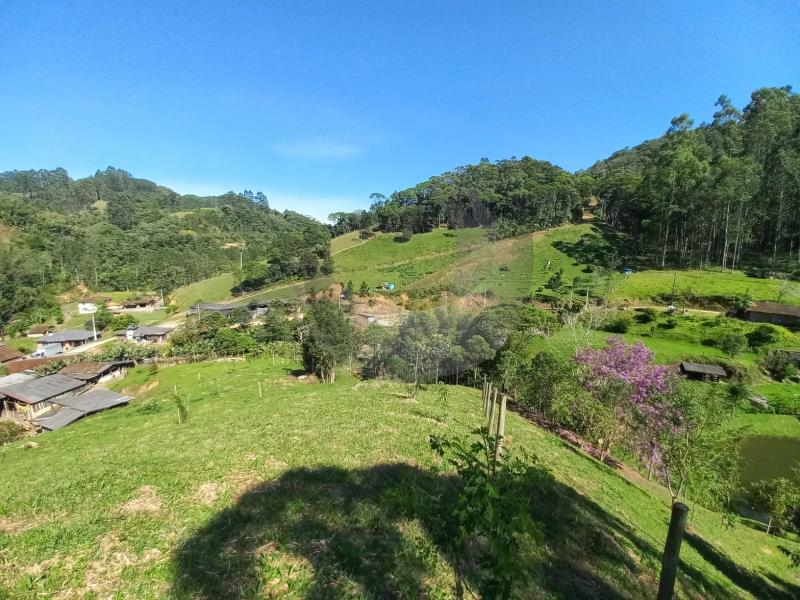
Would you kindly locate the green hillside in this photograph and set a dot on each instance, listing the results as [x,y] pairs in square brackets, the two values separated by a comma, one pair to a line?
[323,491]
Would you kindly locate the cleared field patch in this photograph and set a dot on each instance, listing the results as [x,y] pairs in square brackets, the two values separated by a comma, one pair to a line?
[702,284]
[212,289]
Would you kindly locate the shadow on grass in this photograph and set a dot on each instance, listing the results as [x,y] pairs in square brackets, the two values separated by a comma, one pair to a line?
[380,533]
[766,587]
[602,248]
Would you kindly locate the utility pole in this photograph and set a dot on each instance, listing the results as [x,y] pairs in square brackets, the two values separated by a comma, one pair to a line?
[94,328]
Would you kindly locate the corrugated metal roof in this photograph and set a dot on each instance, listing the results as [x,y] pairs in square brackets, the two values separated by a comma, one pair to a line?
[15,378]
[61,417]
[67,336]
[704,369]
[94,401]
[43,388]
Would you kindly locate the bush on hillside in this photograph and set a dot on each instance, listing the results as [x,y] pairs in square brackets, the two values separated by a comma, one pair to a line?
[778,364]
[618,323]
[10,431]
[764,335]
[646,315]
[732,343]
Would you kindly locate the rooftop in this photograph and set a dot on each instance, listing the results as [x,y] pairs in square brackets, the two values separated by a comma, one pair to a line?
[76,407]
[73,335]
[703,368]
[774,308]
[88,370]
[8,353]
[14,379]
[39,329]
[43,388]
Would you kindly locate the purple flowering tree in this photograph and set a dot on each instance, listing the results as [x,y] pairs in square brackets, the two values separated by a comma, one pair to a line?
[624,378]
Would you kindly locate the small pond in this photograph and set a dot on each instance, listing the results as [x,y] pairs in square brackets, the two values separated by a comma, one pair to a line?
[769,457]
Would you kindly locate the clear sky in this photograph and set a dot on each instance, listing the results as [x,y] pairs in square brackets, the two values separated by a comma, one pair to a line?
[318,104]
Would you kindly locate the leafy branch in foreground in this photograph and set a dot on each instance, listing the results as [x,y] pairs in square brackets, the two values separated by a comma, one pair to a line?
[491,510]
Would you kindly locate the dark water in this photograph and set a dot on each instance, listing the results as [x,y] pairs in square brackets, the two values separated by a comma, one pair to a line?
[769,457]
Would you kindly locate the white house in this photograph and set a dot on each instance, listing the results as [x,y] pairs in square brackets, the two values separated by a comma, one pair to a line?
[90,304]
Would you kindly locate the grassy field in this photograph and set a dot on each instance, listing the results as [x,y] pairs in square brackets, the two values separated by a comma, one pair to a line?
[213,289]
[783,397]
[324,491]
[769,425]
[348,240]
[693,284]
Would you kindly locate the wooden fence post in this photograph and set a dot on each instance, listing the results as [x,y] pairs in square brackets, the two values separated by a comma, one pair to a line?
[483,396]
[492,402]
[672,551]
[501,429]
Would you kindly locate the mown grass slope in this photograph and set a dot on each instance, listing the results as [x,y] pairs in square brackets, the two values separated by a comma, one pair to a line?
[213,289]
[323,491]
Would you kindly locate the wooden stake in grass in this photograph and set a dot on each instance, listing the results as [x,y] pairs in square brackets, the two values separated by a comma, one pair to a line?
[492,402]
[501,429]
[260,392]
[672,551]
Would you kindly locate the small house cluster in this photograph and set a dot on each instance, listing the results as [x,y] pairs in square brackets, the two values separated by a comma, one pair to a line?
[89,305]
[255,308]
[53,401]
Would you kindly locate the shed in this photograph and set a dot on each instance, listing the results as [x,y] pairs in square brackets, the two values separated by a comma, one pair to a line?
[209,308]
[7,354]
[787,315]
[97,372]
[30,399]
[702,371]
[364,319]
[35,331]
[142,302]
[72,408]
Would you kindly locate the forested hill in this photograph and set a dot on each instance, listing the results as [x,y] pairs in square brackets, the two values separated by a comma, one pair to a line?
[112,231]
[725,193]
[510,195]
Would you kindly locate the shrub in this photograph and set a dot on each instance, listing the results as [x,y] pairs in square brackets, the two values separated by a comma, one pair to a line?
[763,335]
[646,315]
[149,407]
[670,323]
[618,323]
[10,431]
[778,364]
[732,343]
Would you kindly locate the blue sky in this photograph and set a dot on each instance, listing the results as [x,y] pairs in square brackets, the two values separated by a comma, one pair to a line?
[319,104]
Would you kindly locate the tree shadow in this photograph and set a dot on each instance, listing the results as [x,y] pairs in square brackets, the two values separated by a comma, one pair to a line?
[766,586]
[381,532]
[603,247]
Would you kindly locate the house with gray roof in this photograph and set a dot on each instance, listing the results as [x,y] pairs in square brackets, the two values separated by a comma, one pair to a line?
[66,340]
[144,334]
[30,399]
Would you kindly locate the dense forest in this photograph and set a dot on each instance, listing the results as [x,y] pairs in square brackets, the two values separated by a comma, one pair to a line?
[725,193]
[115,232]
[511,195]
